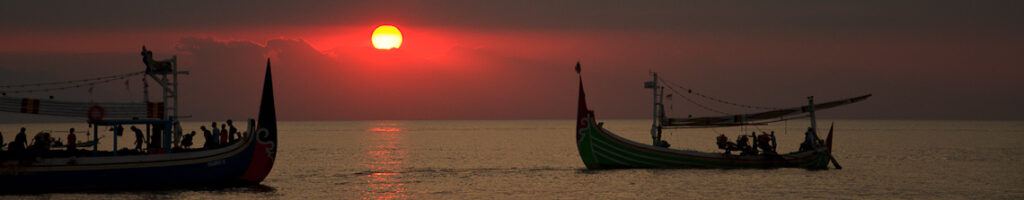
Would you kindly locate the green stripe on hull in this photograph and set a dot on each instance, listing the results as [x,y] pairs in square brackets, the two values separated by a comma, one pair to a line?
[601,152]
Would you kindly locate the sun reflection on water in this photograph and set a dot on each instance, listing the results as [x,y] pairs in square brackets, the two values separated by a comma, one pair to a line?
[385,160]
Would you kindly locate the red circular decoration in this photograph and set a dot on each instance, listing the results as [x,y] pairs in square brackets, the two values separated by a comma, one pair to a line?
[94,110]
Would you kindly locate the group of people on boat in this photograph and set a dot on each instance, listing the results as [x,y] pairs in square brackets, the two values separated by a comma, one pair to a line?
[225,135]
[43,143]
[765,142]
[811,141]
[217,137]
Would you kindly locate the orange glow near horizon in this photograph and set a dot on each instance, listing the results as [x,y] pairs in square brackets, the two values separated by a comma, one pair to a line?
[386,37]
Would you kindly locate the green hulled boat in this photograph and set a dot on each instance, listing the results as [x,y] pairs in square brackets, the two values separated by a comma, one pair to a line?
[602,149]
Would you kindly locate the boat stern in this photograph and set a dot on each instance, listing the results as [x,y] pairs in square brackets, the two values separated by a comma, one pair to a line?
[585,128]
[265,143]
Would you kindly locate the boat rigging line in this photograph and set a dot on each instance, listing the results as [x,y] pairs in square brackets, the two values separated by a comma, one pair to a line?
[695,102]
[76,84]
[690,91]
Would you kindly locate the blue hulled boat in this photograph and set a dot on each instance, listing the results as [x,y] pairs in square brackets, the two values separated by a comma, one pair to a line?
[246,161]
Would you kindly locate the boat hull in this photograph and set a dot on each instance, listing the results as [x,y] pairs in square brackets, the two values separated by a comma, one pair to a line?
[224,166]
[601,149]
[247,162]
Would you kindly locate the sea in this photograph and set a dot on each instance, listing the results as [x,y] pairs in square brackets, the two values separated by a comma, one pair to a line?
[537,159]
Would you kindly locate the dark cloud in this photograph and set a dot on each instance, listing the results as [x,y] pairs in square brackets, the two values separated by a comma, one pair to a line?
[697,16]
[487,82]
[311,85]
[512,60]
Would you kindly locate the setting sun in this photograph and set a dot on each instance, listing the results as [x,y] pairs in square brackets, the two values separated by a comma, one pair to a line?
[386,37]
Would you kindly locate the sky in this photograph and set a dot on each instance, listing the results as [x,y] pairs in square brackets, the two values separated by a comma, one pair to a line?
[468,60]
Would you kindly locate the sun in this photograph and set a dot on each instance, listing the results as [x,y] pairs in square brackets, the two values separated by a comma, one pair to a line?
[386,37]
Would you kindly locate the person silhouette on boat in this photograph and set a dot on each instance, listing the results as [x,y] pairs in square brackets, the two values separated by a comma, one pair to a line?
[41,143]
[810,140]
[20,142]
[72,141]
[224,134]
[724,143]
[139,138]
[207,137]
[744,145]
[216,134]
[232,131]
[186,141]
[764,142]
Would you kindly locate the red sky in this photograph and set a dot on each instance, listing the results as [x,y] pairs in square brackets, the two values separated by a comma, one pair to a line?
[513,60]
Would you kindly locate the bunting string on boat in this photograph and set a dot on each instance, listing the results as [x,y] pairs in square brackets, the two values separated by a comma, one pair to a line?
[698,104]
[690,91]
[116,110]
[63,85]
[73,81]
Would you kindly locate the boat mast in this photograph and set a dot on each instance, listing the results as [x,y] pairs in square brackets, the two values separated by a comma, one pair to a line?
[814,123]
[656,121]
[170,87]
[170,93]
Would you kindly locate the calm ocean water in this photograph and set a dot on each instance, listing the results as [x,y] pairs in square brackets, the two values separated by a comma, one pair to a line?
[884,159]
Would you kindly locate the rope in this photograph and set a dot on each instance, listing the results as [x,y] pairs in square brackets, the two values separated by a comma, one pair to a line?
[119,76]
[87,82]
[695,103]
[716,99]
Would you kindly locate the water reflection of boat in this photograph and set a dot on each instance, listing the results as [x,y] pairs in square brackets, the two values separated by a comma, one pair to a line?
[601,149]
[244,162]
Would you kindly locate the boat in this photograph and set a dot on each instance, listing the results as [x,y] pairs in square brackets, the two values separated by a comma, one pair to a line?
[599,148]
[246,161]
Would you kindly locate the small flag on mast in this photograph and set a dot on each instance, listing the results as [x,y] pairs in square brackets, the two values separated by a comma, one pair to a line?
[577,67]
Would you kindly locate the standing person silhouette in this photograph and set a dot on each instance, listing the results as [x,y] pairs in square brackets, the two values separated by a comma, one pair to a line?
[72,141]
[223,135]
[216,134]
[20,142]
[232,131]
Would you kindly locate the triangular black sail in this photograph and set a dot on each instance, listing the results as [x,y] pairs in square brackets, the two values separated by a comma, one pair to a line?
[265,149]
[268,116]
